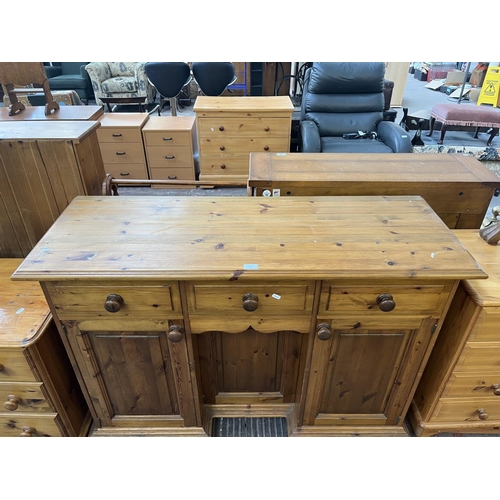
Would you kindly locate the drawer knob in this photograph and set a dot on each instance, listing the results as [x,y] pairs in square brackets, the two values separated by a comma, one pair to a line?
[250,302]
[223,166]
[222,148]
[496,389]
[116,135]
[221,128]
[482,414]
[2,368]
[169,157]
[323,331]
[266,129]
[27,432]
[266,148]
[12,403]
[386,302]
[113,303]
[175,333]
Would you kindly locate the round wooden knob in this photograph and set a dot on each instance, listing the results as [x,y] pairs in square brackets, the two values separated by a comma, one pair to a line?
[482,414]
[250,302]
[12,403]
[323,331]
[223,166]
[222,148]
[496,389]
[386,302]
[266,129]
[221,128]
[27,432]
[113,303]
[175,333]
[2,368]
[266,148]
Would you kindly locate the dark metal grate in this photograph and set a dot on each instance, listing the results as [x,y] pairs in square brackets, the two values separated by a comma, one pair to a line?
[249,427]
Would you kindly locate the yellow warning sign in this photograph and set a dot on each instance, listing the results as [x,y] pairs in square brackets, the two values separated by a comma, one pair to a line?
[490,91]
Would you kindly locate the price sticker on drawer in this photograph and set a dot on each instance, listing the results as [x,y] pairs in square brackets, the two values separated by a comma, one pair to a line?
[250,266]
[276,296]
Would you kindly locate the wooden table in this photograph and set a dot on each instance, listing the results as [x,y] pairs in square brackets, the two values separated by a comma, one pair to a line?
[458,187]
[177,310]
[31,113]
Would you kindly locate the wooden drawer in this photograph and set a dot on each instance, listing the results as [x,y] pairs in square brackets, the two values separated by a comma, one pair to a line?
[178,156]
[29,397]
[167,138]
[244,127]
[123,153]
[237,146]
[466,410]
[149,305]
[119,135]
[479,357]
[172,173]
[410,300]
[224,165]
[42,425]
[127,170]
[462,385]
[486,328]
[14,367]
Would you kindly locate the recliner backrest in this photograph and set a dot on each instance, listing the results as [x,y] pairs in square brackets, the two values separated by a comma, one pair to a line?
[344,97]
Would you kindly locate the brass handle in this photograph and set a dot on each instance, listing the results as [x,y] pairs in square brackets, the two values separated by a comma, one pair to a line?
[2,367]
[175,333]
[116,135]
[222,148]
[266,129]
[12,403]
[124,174]
[496,389]
[324,331]
[167,138]
[120,153]
[386,302]
[172,177]
[223,166]
[266,148]
[169,157]
[27,432]
[482,414]
[113,303]
[250,302]
[221,128]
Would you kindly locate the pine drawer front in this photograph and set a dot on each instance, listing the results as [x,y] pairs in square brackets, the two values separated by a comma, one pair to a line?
[127,170]
[478,385]
[479,356]
[126,153]
[172,173]
[468,410]
[225,165]
[150,305]
[14,367]
[29,425]
[174,156]
[228,146]
[486,328]
[119,135]
[244,126]
[268,306]
[20,397]
[167,138]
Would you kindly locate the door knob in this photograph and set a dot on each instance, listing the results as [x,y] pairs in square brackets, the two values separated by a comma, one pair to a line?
[324,331]
[175,333]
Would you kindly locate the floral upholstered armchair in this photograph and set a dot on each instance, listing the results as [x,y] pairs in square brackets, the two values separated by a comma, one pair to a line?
[120,79]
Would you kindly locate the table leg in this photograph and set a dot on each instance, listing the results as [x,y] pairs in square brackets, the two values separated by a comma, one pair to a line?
[431,126]
[494,132]
[443,131]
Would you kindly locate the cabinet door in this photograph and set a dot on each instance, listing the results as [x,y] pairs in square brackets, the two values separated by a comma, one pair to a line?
[364,377]
[135,378]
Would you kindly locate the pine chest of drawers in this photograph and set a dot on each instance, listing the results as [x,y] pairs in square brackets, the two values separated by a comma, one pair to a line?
[460,388]
[171,148]
[180,309]
[230,128]
[39,392]
[122,149]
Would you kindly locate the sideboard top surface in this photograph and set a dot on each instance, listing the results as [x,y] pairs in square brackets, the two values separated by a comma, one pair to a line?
[261,104]
[39,130]
[295,169]
[240,238]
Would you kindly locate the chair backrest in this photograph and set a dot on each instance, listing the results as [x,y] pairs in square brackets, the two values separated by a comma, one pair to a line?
[168,77]
[214,77]
[344,97]
[72,68]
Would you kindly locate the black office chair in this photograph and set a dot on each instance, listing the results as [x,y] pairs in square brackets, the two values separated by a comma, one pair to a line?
[168,78]
[214,77]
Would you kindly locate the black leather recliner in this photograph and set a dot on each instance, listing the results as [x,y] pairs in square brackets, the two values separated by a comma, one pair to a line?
[347,98]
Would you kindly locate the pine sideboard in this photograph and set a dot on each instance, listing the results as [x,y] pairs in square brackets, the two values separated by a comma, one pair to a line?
[177,310]
[460,388]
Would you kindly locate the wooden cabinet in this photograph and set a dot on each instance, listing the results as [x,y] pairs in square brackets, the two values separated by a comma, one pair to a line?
[171,148]
[43,166]
[230,128]
[39,392]
[460,388]
[310,308]
[122,149]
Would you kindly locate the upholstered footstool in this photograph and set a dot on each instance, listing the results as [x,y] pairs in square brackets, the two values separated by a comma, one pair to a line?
[466,116]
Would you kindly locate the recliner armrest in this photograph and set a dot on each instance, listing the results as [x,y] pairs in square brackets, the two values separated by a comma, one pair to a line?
[395,137]
[52,71]
[309,139]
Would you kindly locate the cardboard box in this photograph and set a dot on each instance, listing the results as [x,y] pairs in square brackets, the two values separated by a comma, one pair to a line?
[478,74]
[474,94]
[455,78]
